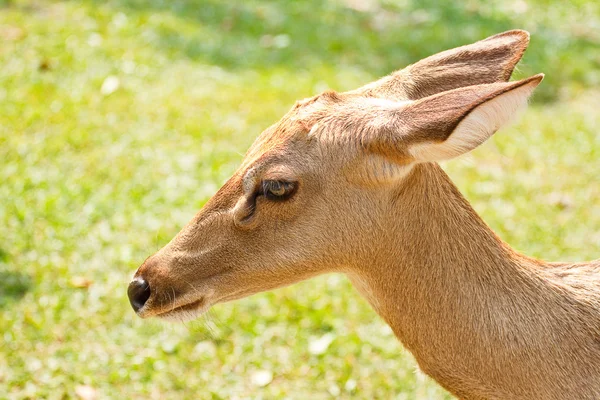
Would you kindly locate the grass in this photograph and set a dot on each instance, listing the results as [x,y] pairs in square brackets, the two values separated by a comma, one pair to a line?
[120,118]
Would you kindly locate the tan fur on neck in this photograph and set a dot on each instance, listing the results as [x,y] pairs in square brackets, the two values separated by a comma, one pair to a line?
[481,319]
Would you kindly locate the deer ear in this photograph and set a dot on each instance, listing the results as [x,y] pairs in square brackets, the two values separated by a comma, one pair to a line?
[452,123]
[487,61]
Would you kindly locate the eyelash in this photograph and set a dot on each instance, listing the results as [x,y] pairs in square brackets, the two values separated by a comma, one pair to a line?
[269,186]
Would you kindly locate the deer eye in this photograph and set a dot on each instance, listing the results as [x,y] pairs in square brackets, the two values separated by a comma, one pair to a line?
[278,190]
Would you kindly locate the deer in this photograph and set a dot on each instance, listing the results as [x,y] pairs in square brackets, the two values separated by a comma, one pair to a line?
[350,182]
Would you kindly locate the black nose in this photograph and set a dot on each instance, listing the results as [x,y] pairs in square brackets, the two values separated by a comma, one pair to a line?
[139,293]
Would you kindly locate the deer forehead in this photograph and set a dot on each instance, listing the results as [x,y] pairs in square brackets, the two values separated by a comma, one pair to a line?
[316,133]
[279,140]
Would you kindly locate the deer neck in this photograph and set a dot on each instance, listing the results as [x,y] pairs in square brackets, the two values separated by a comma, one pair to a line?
[451,290]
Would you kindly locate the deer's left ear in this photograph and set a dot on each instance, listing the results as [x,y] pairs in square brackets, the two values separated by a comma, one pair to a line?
[452,123]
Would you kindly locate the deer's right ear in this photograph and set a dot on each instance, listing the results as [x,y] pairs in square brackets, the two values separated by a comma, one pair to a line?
[452,123]
[486,61]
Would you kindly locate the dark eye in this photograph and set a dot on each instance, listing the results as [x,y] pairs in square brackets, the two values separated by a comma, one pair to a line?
[278,190]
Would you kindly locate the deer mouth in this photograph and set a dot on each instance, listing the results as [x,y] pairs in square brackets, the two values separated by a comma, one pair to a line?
[185,311]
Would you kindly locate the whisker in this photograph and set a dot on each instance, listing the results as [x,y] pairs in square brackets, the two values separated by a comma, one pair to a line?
[194,288]
[199,295]
[156,245]
[208,326]
[215,316]
[173,306]
[208,317]
[161,301]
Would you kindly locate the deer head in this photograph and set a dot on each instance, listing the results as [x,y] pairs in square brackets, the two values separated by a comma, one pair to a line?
[313,191]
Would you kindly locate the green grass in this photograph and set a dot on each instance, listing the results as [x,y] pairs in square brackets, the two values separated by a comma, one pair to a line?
[91,183]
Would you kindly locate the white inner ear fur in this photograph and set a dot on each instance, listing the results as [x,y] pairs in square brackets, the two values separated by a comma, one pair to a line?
[478,126]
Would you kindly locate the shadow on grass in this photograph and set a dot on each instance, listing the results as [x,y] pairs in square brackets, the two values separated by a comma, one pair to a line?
[301,35]
[13,285]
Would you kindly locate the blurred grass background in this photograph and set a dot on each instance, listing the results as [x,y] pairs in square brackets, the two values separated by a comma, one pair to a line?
[120,118]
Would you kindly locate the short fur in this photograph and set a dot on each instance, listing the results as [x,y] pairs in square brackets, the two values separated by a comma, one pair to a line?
[481,319]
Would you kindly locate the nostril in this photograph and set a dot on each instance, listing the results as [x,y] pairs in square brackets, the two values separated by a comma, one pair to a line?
[138,292]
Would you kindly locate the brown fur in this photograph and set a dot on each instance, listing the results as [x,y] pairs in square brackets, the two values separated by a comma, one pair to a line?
[487,61]
[482,320]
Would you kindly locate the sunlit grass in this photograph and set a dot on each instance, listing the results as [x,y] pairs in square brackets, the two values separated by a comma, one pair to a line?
[119,119]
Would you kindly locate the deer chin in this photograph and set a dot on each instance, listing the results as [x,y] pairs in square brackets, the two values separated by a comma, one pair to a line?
[185,312]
